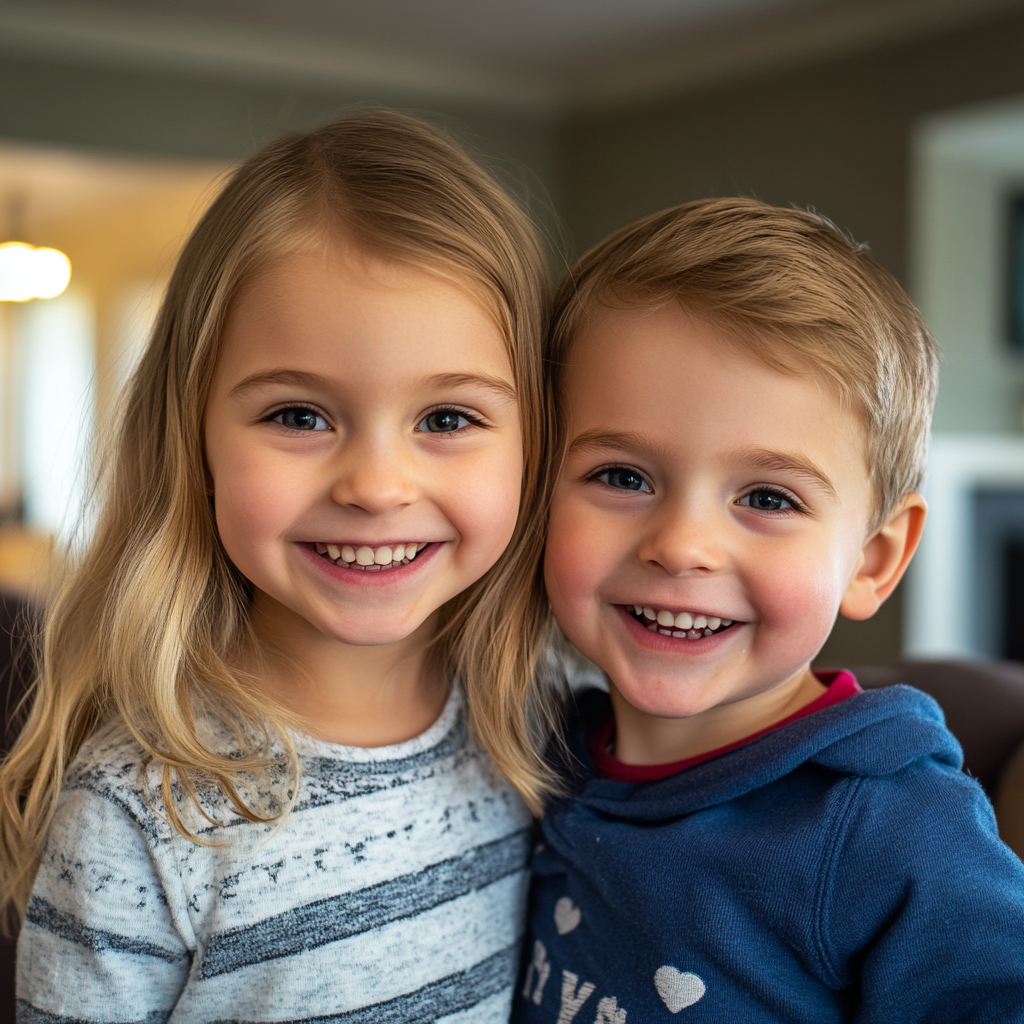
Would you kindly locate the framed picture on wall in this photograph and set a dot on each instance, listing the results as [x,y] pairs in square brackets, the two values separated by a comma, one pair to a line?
[1015,290]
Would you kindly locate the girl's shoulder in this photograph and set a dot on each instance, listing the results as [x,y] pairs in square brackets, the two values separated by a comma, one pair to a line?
[113,778]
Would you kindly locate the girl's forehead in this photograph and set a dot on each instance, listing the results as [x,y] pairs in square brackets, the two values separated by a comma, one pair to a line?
[323,309]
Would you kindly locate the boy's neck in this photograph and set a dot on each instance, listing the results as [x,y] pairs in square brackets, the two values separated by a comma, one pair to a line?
[642,739]
[361,696]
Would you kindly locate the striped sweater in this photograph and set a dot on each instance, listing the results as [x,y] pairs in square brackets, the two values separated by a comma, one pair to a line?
[393,893]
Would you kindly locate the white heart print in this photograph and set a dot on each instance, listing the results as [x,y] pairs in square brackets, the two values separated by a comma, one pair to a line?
[678,989]
[567,915]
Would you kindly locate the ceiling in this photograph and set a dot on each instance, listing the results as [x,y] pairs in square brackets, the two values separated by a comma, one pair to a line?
[524,53]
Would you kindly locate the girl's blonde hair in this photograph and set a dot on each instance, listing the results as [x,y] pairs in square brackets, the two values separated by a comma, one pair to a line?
[143,630]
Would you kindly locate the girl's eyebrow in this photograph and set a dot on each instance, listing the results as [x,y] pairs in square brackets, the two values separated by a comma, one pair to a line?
[265,378]
[303,378]
[502,387]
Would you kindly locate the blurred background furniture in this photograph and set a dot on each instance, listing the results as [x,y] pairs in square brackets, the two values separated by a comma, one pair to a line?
[17,623]
[984,706]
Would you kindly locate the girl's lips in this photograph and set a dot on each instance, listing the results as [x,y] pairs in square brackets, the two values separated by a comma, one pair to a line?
[361,579]
[654,641]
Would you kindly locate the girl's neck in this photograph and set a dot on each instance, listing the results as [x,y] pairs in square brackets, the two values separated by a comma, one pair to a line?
[358,696]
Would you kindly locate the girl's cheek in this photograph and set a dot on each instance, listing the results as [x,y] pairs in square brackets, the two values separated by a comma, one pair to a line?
[485,508]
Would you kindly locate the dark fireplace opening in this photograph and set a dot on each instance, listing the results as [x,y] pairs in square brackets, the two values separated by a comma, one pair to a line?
[1013,601]
[998,576]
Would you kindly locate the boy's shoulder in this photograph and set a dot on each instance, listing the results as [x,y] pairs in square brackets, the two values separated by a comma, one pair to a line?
[876,734]
[850,831]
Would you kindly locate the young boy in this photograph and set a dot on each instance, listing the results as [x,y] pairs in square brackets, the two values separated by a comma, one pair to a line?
[745,400]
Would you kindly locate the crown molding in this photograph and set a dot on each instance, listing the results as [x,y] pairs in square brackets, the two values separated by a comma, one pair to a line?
[219,49]
[807,34]
[690,60]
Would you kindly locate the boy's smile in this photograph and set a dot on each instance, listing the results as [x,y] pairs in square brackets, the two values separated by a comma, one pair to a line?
[710,516]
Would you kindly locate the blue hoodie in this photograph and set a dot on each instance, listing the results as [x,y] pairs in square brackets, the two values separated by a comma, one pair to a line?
[841,868]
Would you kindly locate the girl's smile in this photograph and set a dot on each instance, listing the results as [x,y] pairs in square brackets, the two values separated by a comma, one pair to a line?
[364,458]
[381,566]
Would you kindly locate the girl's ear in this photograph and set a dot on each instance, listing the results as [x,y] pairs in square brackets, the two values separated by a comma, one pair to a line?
[884,558]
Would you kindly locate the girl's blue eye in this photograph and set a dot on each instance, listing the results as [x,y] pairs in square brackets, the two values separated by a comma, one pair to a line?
[300,418]
[766,501]
[623,479]
[443,421]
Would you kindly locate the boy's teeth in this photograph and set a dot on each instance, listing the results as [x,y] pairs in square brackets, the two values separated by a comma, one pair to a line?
[367,558]
[683,624]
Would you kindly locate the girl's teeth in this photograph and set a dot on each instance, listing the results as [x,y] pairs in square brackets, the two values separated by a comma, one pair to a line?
[649,613]
[666,619]
[714,622]
[370,559]
[684,620]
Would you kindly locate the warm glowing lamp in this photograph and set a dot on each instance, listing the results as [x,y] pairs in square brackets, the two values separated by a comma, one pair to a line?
[31,272]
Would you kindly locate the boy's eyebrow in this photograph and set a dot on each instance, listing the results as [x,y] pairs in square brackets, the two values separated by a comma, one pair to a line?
[787,462]
[762,458]
[303,378]
[597,440]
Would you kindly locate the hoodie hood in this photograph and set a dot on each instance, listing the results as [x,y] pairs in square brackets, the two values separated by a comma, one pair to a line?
[876,733]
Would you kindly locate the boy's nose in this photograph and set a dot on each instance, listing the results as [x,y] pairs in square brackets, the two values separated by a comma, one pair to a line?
[374,477]
[682,543]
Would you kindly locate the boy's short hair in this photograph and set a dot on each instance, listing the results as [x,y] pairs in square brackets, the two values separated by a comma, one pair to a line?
[788,286]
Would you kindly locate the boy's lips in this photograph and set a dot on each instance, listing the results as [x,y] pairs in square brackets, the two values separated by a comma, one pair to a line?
[689,627]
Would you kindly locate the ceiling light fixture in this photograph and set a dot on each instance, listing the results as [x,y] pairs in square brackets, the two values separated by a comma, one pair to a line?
[32,272]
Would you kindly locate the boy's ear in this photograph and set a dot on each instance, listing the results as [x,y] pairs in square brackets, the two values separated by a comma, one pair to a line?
[884,558]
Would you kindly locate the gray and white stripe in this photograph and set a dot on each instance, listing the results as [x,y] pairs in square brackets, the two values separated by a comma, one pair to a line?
[393,892]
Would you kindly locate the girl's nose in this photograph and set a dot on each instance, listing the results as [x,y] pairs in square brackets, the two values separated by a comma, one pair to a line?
[683,541]
[375,478]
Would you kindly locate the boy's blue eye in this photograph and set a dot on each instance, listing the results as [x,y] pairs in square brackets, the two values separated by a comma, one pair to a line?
[766,501]
[443,421]
[301,418]
[624,480]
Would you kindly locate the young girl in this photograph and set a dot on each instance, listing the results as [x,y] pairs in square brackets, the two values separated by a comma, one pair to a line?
[246,787]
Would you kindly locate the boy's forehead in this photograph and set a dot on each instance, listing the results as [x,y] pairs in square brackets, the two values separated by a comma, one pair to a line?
[675,380]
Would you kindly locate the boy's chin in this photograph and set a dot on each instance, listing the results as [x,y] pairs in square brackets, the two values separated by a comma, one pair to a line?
[663,698]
